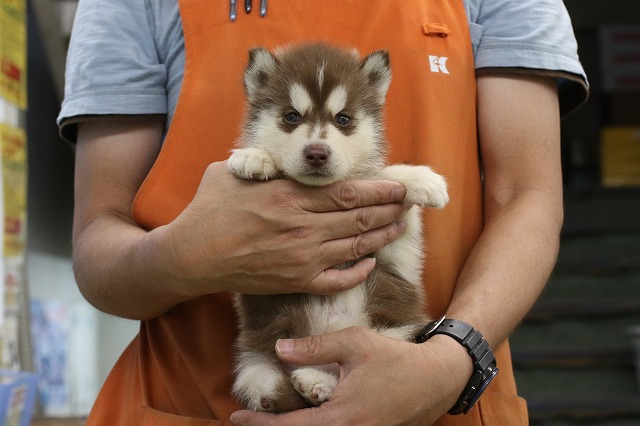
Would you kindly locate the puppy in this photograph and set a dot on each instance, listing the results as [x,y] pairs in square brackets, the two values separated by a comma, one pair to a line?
[315,115]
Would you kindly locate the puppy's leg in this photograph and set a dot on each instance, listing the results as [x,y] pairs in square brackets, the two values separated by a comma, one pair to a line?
[404,256]
[315,385]
[424,186]
[252,164]
[395,304]
[262,385]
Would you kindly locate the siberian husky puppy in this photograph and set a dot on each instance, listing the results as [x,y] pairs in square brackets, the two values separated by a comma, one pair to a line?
[315,115]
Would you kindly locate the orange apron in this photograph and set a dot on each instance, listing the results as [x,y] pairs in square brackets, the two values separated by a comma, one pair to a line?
[177,371]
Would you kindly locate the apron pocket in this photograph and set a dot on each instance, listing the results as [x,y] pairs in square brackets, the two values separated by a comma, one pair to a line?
[151,417]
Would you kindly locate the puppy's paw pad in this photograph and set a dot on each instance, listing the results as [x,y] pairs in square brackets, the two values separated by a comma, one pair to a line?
[257,402]
[321,392]
[252,164]
[314,385]
[266,404]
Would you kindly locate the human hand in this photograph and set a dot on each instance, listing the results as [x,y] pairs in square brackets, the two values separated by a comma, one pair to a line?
[279,236]
[383,381]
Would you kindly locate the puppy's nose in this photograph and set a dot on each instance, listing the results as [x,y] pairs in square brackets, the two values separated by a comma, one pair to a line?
[317,154]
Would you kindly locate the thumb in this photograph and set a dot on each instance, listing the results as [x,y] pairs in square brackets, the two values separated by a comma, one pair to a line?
[313,350]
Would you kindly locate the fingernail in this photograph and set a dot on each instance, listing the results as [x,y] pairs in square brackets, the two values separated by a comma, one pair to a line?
[284,346]
[399,193]
[402,225]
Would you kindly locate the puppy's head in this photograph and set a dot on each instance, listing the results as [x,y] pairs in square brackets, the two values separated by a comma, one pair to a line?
[317,110]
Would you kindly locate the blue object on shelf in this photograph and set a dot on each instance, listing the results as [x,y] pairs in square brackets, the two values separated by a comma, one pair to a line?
[17,397]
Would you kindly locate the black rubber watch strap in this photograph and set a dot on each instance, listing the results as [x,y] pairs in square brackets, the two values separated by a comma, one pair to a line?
[484,362]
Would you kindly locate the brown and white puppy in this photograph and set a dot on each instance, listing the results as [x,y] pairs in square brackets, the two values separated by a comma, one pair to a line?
[316,116]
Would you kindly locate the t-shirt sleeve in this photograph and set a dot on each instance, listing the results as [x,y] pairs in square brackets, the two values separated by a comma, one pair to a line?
[112,66]
[529,36]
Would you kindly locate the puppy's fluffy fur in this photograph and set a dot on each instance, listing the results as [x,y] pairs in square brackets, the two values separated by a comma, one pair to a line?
[315,116]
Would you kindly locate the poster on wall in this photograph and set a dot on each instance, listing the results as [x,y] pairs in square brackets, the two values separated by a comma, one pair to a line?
[13,57]
[14,179]
[9,350]
[13,176]
[50,326]
[13,185]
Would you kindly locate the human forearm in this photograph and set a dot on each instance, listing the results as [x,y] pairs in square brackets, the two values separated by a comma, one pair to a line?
[509,265]
[124,270]
[518,122]
[116,263]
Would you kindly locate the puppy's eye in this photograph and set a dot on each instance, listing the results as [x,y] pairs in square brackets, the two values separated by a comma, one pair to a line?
[292,117]
[343,119]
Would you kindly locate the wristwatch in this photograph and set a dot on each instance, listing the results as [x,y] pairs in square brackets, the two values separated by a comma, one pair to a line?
[484,362]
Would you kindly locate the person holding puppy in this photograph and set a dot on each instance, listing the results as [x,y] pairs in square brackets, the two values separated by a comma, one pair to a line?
[163,232]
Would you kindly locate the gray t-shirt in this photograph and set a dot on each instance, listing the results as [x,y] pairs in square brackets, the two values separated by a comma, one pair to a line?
[127,57]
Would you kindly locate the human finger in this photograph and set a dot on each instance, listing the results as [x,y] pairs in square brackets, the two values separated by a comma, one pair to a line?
[307,416]
[346,195]
[340,346]
[355,246]
[347,223]
[332,281]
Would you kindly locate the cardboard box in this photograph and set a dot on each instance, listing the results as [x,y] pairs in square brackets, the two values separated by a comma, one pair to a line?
[17,397]
[620,156]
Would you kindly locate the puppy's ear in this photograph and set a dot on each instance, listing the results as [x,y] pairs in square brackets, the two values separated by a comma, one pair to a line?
[261,64]
[377,68]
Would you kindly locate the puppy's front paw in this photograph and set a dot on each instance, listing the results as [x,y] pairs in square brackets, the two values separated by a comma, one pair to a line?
[424,186]
[252,164]
[427,188]
[316,386]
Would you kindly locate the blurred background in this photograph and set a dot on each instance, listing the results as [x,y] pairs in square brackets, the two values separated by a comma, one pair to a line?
[576,355]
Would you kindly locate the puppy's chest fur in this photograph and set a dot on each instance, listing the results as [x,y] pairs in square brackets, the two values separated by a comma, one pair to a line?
[383,302]
[315,116]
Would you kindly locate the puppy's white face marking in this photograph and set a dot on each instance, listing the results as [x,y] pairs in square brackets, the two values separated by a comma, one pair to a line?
[337,100]
[321,75]
[316,133]
[300,98]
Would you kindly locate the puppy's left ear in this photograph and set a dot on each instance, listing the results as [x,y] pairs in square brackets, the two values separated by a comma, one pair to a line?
[377,68]
[261,64]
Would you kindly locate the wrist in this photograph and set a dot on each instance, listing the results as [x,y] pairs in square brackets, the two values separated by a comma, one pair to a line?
[456,364]
[455,357]
[483,361]
[167,266]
